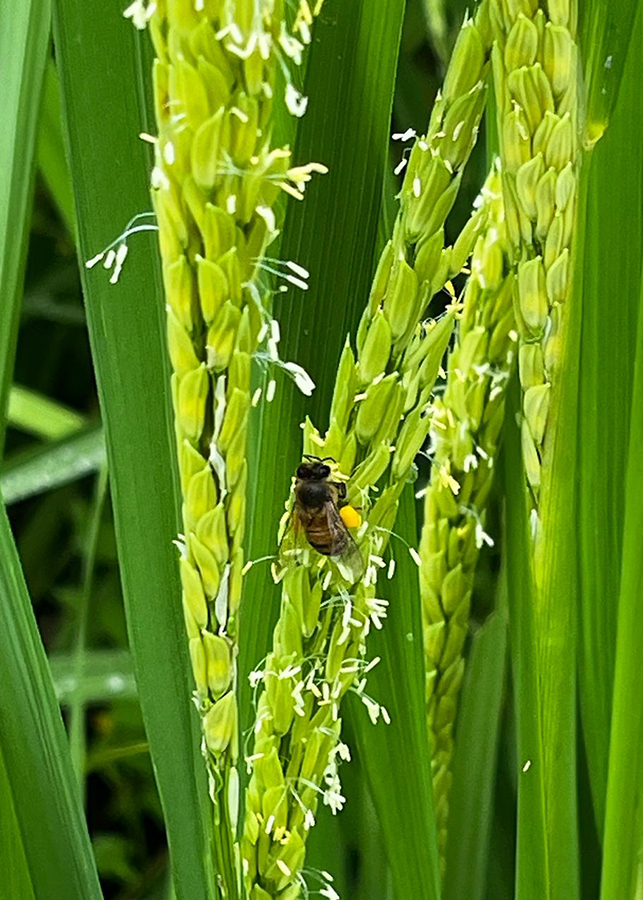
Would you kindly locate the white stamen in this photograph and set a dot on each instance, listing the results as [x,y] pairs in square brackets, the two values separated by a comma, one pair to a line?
[268,216]
[405,135]
[94,260]
[270,392]
[415,556]
[296,103]
[284,868]
[121,253]
[297,269]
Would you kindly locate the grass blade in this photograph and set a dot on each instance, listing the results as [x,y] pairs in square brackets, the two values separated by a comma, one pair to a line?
[475,761]
[46,468]
[103,116]
[623,823]
[34,748]
[24,41]
[39,415]
[17,880]
[396,758]
[107,675]
[532,873]
[51,151]
[608,353]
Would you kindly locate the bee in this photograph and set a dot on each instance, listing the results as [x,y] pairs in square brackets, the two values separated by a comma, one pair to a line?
[320,511]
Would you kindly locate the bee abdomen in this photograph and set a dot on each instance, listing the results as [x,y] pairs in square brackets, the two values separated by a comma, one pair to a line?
[326,544]
[324,547]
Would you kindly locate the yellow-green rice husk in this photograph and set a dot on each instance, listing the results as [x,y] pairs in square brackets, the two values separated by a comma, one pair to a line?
[466,425]
[537,79]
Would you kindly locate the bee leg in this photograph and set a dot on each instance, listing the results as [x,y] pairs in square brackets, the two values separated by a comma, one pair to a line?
[341,489]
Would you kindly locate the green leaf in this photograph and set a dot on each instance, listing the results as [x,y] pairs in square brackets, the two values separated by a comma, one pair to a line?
[49,467]
[107,675]
[34,748]
[532,865]
[608,352]
[475,760]
[623,840]
[16,878]
[51,151]
[24,40]
[103,115]
[396,757]
[39,415]
[607,34]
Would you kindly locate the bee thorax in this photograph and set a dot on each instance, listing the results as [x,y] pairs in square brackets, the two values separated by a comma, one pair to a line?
[313,494]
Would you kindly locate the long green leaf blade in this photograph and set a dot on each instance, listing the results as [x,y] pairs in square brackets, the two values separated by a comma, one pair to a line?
[35,750]
[397,758]
[24,39]
[469,852]
[103,116]
[606,371]
[51,151]
[623,820]
[107,675]
[532,867]
[52,466]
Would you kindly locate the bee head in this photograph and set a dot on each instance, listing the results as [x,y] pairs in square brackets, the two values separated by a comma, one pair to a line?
[313,471]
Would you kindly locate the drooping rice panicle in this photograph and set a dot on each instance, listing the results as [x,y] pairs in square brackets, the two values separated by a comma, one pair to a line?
[536,66]
[217,175]
[378,423]
[466,422]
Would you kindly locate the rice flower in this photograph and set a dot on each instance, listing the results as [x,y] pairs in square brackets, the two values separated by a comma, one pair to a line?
[536,66]
[379,420]
[466,424]
[216,178]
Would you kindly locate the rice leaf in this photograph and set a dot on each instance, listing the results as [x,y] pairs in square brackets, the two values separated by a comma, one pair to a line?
[107,675]
[623,840]
[396,757]
[608,31]
[607,360]
[36,414]
[532,872]
[34,749]
[24,41]
[51,151]
[475,760]
[103,115]
[17,880]
[36,471]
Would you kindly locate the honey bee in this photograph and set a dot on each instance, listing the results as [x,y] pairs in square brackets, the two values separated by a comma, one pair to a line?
[321,513]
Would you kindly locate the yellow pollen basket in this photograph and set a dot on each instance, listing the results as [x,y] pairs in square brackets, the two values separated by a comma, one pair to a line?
[350,517]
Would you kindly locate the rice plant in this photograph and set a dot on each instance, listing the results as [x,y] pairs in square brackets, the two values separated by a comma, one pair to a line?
[328,584]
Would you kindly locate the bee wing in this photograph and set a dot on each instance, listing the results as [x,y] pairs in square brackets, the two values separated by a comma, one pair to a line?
[293,540]
[345,553]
